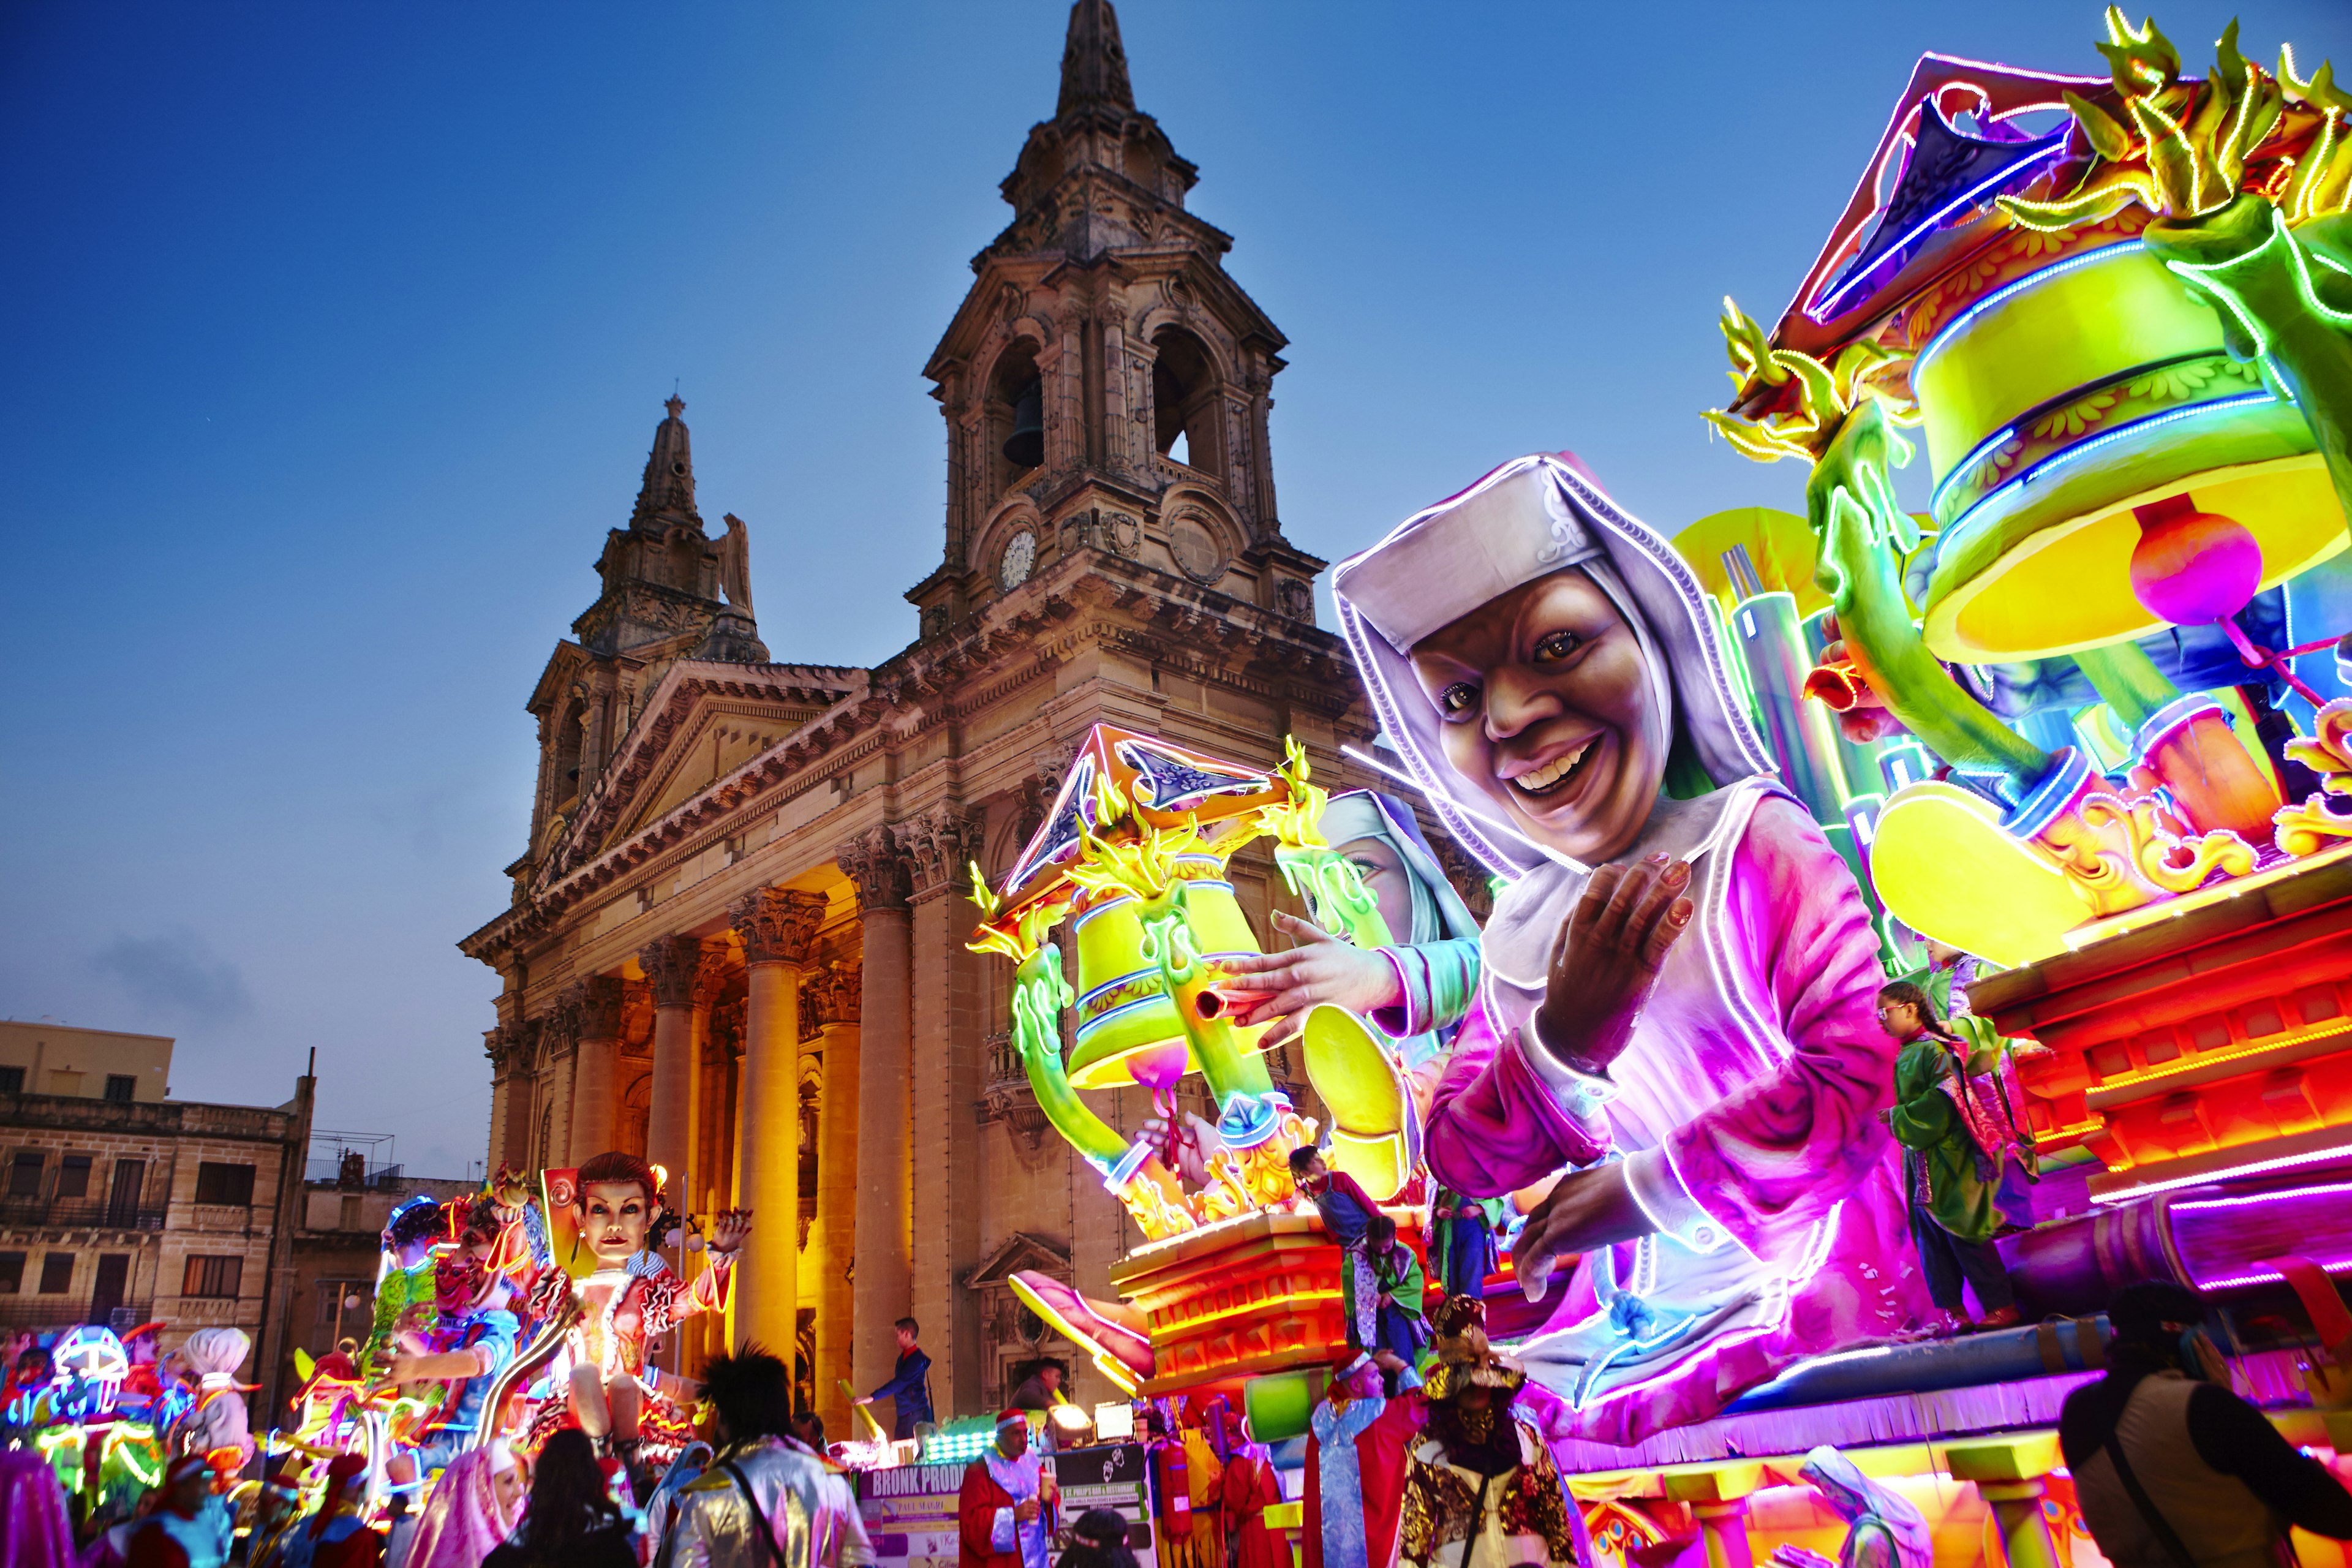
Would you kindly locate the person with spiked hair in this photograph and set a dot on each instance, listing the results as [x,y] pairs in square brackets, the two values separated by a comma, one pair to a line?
[765,1501]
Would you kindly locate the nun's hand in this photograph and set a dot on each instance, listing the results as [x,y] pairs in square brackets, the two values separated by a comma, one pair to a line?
[1321,968]
[1607,960]
[1588,1210]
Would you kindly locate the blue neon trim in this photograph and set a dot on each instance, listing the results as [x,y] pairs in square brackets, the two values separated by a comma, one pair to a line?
[1089,1027]
[1101,908]
[2041,804]
[1966,466]
[2177,711]
[1107,985]
[2009,290]
[1823,310]
[2060,459]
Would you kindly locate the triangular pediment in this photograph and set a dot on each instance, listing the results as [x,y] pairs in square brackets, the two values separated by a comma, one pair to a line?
[702,723]
[1016,1253]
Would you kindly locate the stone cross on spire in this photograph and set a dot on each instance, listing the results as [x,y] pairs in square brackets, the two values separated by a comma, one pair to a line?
[1094,66]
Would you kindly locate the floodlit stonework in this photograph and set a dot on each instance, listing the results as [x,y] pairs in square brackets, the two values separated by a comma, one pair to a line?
[736,939]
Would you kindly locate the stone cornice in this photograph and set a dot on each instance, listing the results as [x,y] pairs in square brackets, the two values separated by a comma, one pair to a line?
[669,705]
[1092,597]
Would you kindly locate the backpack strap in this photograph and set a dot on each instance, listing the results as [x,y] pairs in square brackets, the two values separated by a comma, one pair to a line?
[760,1515]
[2174,1547]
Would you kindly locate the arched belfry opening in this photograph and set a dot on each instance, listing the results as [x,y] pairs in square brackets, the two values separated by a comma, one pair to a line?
[1184,401]
[1013,441]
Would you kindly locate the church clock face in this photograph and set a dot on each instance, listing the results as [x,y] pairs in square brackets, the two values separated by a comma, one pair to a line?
[1020,558]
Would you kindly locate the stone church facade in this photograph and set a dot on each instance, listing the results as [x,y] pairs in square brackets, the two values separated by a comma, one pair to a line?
[736,943]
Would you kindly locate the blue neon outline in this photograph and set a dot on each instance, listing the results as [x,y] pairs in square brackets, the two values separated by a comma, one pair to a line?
[1822,313]
[2041,805]
[2015,287]
[1959,526]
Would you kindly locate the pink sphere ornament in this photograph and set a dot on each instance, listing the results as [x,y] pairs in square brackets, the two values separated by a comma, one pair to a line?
[2191,566]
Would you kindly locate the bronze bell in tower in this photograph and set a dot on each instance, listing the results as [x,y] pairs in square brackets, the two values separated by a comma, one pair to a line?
[1025,447]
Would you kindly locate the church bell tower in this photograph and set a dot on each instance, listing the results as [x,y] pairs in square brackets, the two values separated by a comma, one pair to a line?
[1105,383]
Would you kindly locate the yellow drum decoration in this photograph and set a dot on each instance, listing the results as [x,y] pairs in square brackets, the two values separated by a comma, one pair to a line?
[2058,402]
[1128,1029]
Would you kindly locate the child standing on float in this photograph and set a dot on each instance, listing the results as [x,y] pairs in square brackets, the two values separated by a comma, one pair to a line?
[1678,982]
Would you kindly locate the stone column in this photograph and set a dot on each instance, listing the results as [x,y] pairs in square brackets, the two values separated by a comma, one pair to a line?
[672,965]
[882,1291]
[593,1008]
[836,993]
[503,1115]
[948,1044]
[778,928]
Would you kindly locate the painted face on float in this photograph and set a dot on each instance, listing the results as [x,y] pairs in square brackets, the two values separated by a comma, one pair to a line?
[1383,870]
[614,1218]
[1544,706]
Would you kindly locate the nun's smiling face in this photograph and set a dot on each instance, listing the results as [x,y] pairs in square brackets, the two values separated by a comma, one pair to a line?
[1544,706]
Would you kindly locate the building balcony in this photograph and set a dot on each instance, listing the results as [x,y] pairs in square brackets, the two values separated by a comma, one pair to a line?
[77,1214]
[35,1311]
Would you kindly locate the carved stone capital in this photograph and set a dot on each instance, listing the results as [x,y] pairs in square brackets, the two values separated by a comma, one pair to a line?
[777,925]
[830,996]
[595,1001]
[711,976]
[942,844]
[672,965]
[881,869]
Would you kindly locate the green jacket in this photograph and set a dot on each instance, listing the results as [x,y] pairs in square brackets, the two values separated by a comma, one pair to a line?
[1939,1147]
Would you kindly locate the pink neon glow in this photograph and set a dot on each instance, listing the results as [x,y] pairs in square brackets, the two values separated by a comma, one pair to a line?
[2222,1254]
[2284,1163]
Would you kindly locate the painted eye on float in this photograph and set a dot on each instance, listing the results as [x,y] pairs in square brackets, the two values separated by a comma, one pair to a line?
[1553,647]
[1458,698]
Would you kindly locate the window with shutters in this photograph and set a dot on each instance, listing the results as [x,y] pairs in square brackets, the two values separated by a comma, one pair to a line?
[219,1183]
[73,1176]
[213,1277]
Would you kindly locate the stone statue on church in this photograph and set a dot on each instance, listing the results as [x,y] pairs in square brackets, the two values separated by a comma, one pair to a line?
[735,564]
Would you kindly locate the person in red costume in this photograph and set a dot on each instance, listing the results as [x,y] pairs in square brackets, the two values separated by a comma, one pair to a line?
[337,1535]
[192,1528]
[1382,1447]
[1004,1508]
[1249,1489]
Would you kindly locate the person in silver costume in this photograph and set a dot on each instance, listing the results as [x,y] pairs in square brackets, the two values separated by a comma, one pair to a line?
[765,1501]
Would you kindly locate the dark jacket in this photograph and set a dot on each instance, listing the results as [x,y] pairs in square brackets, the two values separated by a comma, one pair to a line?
[910,1385]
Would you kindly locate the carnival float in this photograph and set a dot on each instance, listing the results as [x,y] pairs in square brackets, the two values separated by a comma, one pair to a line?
[2088,717]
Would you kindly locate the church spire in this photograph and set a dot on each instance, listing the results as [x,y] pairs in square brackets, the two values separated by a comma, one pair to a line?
[668,487]
[1094,66]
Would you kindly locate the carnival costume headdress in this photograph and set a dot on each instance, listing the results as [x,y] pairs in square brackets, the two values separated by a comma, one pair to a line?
[1462,1356]
[1529,519]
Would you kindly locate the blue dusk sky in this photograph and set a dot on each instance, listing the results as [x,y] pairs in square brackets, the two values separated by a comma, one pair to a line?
[335,335]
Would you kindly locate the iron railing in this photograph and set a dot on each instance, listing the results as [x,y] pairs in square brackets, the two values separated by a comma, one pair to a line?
[29,1310]
[78,1214]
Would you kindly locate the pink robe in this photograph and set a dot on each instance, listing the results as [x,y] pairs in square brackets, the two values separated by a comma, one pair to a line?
[1745,1107]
